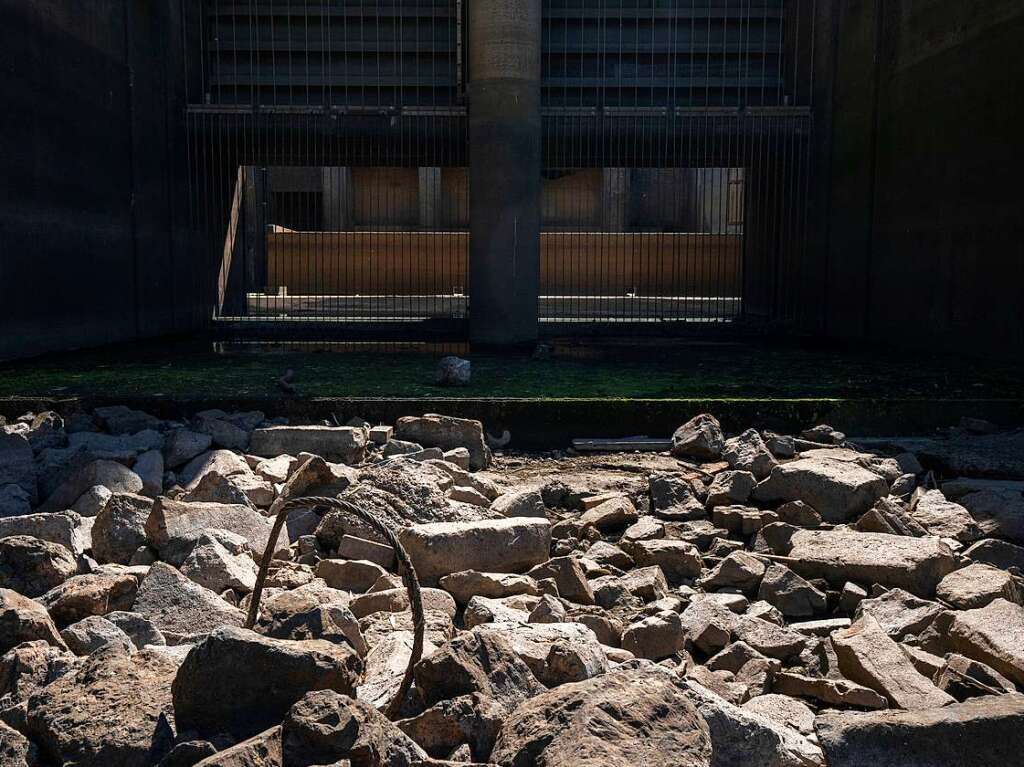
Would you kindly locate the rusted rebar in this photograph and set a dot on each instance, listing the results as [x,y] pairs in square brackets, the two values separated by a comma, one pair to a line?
[282,508]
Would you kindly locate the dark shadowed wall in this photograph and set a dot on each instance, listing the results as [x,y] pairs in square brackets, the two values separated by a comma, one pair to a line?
[92,157]
[925,240]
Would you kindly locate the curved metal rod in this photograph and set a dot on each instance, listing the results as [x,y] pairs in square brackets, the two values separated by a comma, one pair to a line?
[282,509]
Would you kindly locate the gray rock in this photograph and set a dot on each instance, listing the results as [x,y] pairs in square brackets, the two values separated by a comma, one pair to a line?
[92,594]
[748,452]
[976,585]
[478,662]
[900,613]
[120,714]
[182,445]
[678,560]
[119,419]
[213,566]
[700,438]
[140,629]
[116,477]
[122,448]
[731,487]
[222,462]
[467,584]
[447,433]
[673,498]
[556,653]
[527,502]
[568,575]
[150,468]
[914,564]
[656,637]
[742,737]
[334,443]
[837,490]
[120,528]
[32,566]
[17,463]
[984,732]
[739,570]
[630,716]
[257,680]
[90,634]
[325,727]
[943,518]
[783,710]
[869,657]
[65,528]
[792,595]
[506,545]
[992,634]
[14,501]
[997,553]
[454,371]
[224,433]
[180,608]
[173,527]
[91,502]
[25,620]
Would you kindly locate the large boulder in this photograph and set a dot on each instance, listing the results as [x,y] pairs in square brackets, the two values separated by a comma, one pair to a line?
[92,594]
[32,567]
[335,443]
[120,528]
[837,490]
[556,653]
[66,528]
[700,438]
[447,433]
[477,662]
[976,585]
[173,527]
[983,732]
[635,715]
[17,463]
[24,620]
[992,634]
[112,710]
[869,657]
[944,518]
[114,476]
[743,737]
[914,564]
[240,682]
[503,545]
[179,607]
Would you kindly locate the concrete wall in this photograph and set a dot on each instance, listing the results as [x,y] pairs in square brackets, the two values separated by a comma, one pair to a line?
[925,240]
[92,246]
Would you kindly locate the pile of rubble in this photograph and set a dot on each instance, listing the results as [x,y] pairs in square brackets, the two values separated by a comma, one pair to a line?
[763,600]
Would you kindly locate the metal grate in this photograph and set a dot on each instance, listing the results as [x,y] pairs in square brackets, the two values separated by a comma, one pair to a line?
[328,163]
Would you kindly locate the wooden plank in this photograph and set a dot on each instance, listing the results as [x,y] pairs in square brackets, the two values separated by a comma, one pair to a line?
[229,242]
[623,445]
[572,263]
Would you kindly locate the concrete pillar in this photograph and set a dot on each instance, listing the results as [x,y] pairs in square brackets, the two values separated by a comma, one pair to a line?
[430,197]
[504,170]
[337,207]
[615,199]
